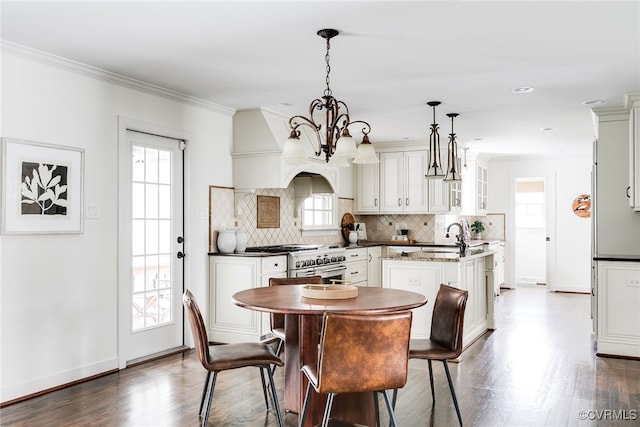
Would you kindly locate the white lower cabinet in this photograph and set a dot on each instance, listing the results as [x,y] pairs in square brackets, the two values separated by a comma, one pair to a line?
[425,277]
[229,323]
[617,296]
[356,272]
[374,266]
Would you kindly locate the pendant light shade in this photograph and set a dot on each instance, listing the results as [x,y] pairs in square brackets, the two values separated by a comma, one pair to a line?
[366,153]
[345,145]
[292,151]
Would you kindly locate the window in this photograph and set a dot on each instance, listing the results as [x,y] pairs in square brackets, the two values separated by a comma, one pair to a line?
[318,212]
[530,210]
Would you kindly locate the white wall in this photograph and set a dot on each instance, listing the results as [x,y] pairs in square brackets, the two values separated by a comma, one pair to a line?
[58,293]
[567,177]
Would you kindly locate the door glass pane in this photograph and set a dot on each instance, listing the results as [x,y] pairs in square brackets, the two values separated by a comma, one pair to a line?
[152,274]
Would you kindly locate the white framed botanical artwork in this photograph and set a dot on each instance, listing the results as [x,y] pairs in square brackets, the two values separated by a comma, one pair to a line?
[42,188]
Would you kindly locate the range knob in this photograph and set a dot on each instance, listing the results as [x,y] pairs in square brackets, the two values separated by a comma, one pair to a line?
[299,264]
[326,259]
[319,261]
[333,259]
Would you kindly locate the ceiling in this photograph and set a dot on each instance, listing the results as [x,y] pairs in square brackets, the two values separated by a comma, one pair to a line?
[390,58]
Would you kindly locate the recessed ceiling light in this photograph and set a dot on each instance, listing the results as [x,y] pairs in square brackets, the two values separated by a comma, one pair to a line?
[522,89]
[477,139]
[546,129]
[593,102]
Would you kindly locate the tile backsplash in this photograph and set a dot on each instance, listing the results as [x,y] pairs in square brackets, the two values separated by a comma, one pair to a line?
[422,228]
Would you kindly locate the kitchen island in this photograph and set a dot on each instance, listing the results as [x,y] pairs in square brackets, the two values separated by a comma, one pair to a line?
[423,272]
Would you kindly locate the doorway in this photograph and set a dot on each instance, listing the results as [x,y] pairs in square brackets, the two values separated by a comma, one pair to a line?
[150,244]
[530,231]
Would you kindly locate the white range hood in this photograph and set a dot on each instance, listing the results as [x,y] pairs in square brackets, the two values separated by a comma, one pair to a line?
[258,138]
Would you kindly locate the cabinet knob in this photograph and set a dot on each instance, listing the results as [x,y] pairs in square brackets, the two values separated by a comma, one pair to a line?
[399,202]
[407,201]
[628,188]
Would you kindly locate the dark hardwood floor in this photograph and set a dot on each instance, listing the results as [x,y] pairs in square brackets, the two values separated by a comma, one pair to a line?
[537,368]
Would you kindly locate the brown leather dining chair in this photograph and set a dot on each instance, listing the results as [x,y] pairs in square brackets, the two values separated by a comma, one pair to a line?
[360,353]
[218,358]
[445,342]
[277,319]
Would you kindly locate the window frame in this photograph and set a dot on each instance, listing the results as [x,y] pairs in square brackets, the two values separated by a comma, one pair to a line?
[321,229]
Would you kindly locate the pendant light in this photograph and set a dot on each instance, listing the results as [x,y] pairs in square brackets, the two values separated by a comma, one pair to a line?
[434,169]
[453,173]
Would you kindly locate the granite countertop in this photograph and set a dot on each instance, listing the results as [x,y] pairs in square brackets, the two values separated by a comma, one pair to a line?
[621,258]
[249,254]
[368,244]
[440,256]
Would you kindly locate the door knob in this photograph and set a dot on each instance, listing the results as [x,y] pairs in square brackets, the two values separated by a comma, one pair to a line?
[181,254]
[180,239]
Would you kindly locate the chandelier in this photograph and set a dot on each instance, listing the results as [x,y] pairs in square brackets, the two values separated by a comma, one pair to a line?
[333,137]
[434,167]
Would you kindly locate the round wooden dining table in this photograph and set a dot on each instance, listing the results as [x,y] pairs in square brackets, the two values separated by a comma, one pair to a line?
[302,330]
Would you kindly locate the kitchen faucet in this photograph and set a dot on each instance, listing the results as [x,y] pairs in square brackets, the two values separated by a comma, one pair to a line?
[460,237]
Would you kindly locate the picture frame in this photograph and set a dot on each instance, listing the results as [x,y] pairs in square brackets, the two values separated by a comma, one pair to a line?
[268,212]
[42,189]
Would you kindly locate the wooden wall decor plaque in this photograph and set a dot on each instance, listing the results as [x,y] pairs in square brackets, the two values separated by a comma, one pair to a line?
[268,212]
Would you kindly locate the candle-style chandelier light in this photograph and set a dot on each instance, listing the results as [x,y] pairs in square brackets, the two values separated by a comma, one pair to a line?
[333,137]
[434,167]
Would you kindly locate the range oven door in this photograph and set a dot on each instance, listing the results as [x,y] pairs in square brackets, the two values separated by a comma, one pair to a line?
[328,273]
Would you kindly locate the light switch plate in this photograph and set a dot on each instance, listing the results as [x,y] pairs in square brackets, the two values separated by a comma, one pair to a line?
[92,211]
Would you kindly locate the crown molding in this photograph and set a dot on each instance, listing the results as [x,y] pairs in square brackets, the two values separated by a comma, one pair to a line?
[108,76]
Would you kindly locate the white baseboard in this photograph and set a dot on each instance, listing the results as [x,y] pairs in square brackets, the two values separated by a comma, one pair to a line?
[15,391]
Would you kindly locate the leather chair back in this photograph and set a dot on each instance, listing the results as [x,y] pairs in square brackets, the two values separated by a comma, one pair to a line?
[447,323]
[198,328]
[363,352]
[277,319]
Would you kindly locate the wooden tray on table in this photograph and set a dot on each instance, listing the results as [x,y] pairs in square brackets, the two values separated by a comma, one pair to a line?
[329,291]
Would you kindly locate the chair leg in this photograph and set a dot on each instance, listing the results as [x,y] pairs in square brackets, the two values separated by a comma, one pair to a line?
[453,393]
[327,410]
[395,398]
[433,390]
[205,420]
[392,415]
[303,415]
[264,387]
[204,392]
[274,396]
[278,352]
[376,406]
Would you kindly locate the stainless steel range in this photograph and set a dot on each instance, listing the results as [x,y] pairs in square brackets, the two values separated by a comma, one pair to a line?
[311,260]
[326,262]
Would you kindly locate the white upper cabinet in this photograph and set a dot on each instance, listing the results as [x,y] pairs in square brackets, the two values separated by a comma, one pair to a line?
[368,192]
[403,187]
[438,192]
[475,188]
[455,197]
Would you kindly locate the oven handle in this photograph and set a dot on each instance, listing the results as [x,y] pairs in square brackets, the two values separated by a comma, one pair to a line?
[318,271]
[332,270]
